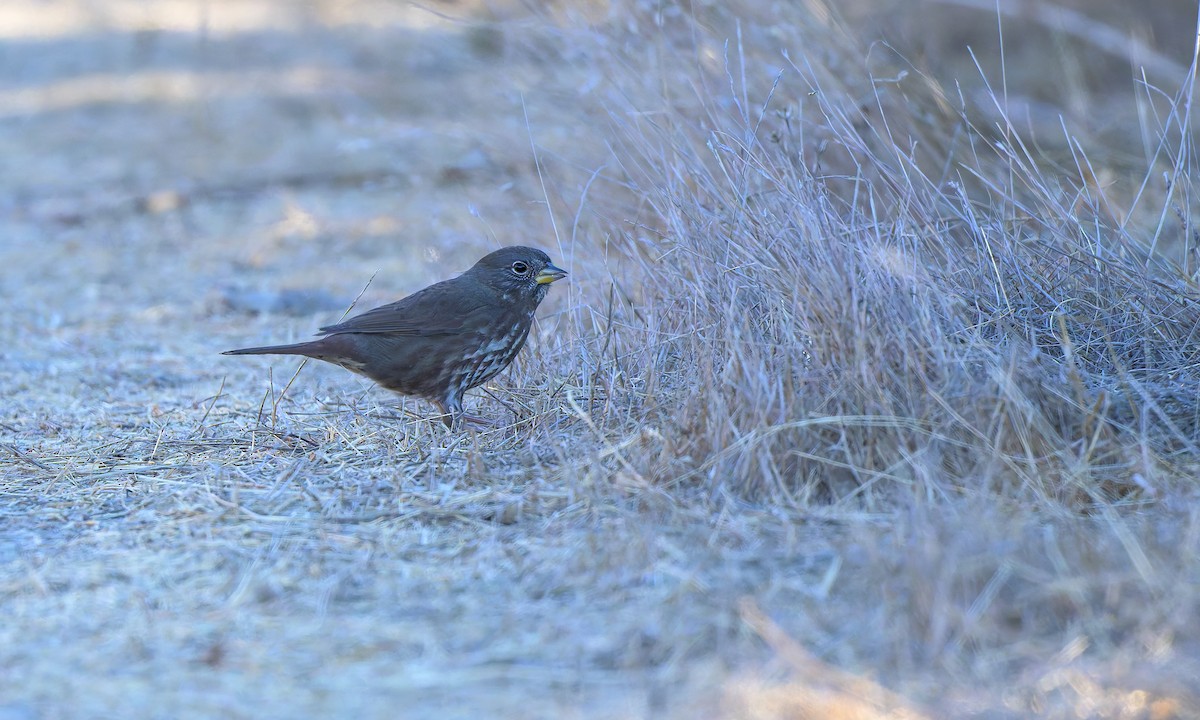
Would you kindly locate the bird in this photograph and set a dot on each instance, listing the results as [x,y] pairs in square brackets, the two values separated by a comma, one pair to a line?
[443,340]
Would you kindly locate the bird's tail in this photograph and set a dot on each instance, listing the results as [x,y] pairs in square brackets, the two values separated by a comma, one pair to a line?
[304,348]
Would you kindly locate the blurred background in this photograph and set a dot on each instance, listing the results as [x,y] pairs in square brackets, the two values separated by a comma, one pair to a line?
[107,99]
[353,123]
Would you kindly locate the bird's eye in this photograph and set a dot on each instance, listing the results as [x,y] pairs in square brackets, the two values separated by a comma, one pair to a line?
[520,268]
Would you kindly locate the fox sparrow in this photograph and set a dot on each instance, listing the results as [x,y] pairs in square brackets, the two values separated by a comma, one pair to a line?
[444,340]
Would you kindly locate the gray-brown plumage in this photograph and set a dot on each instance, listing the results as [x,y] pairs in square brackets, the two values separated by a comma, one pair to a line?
[444,340]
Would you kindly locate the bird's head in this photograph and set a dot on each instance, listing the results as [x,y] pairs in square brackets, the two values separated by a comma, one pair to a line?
[524,271]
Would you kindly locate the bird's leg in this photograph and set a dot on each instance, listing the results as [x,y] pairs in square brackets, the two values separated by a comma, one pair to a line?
[451,413]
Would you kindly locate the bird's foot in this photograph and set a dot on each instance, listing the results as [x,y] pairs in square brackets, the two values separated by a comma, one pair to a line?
[477,420]
[456,419]
[463,421]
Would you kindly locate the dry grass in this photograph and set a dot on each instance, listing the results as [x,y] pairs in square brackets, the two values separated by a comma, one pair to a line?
[872,392]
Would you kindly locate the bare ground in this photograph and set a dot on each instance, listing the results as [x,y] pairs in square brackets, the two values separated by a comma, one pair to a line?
[176,540]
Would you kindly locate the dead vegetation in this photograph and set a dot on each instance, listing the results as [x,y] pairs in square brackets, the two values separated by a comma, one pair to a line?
[872,393]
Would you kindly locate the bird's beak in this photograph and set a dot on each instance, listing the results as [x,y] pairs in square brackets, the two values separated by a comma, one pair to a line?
[549,274]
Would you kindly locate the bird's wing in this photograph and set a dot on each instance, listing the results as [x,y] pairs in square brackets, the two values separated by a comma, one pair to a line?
[440,309]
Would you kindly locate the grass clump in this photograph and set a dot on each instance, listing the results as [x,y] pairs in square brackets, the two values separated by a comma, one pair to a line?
[843,309]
